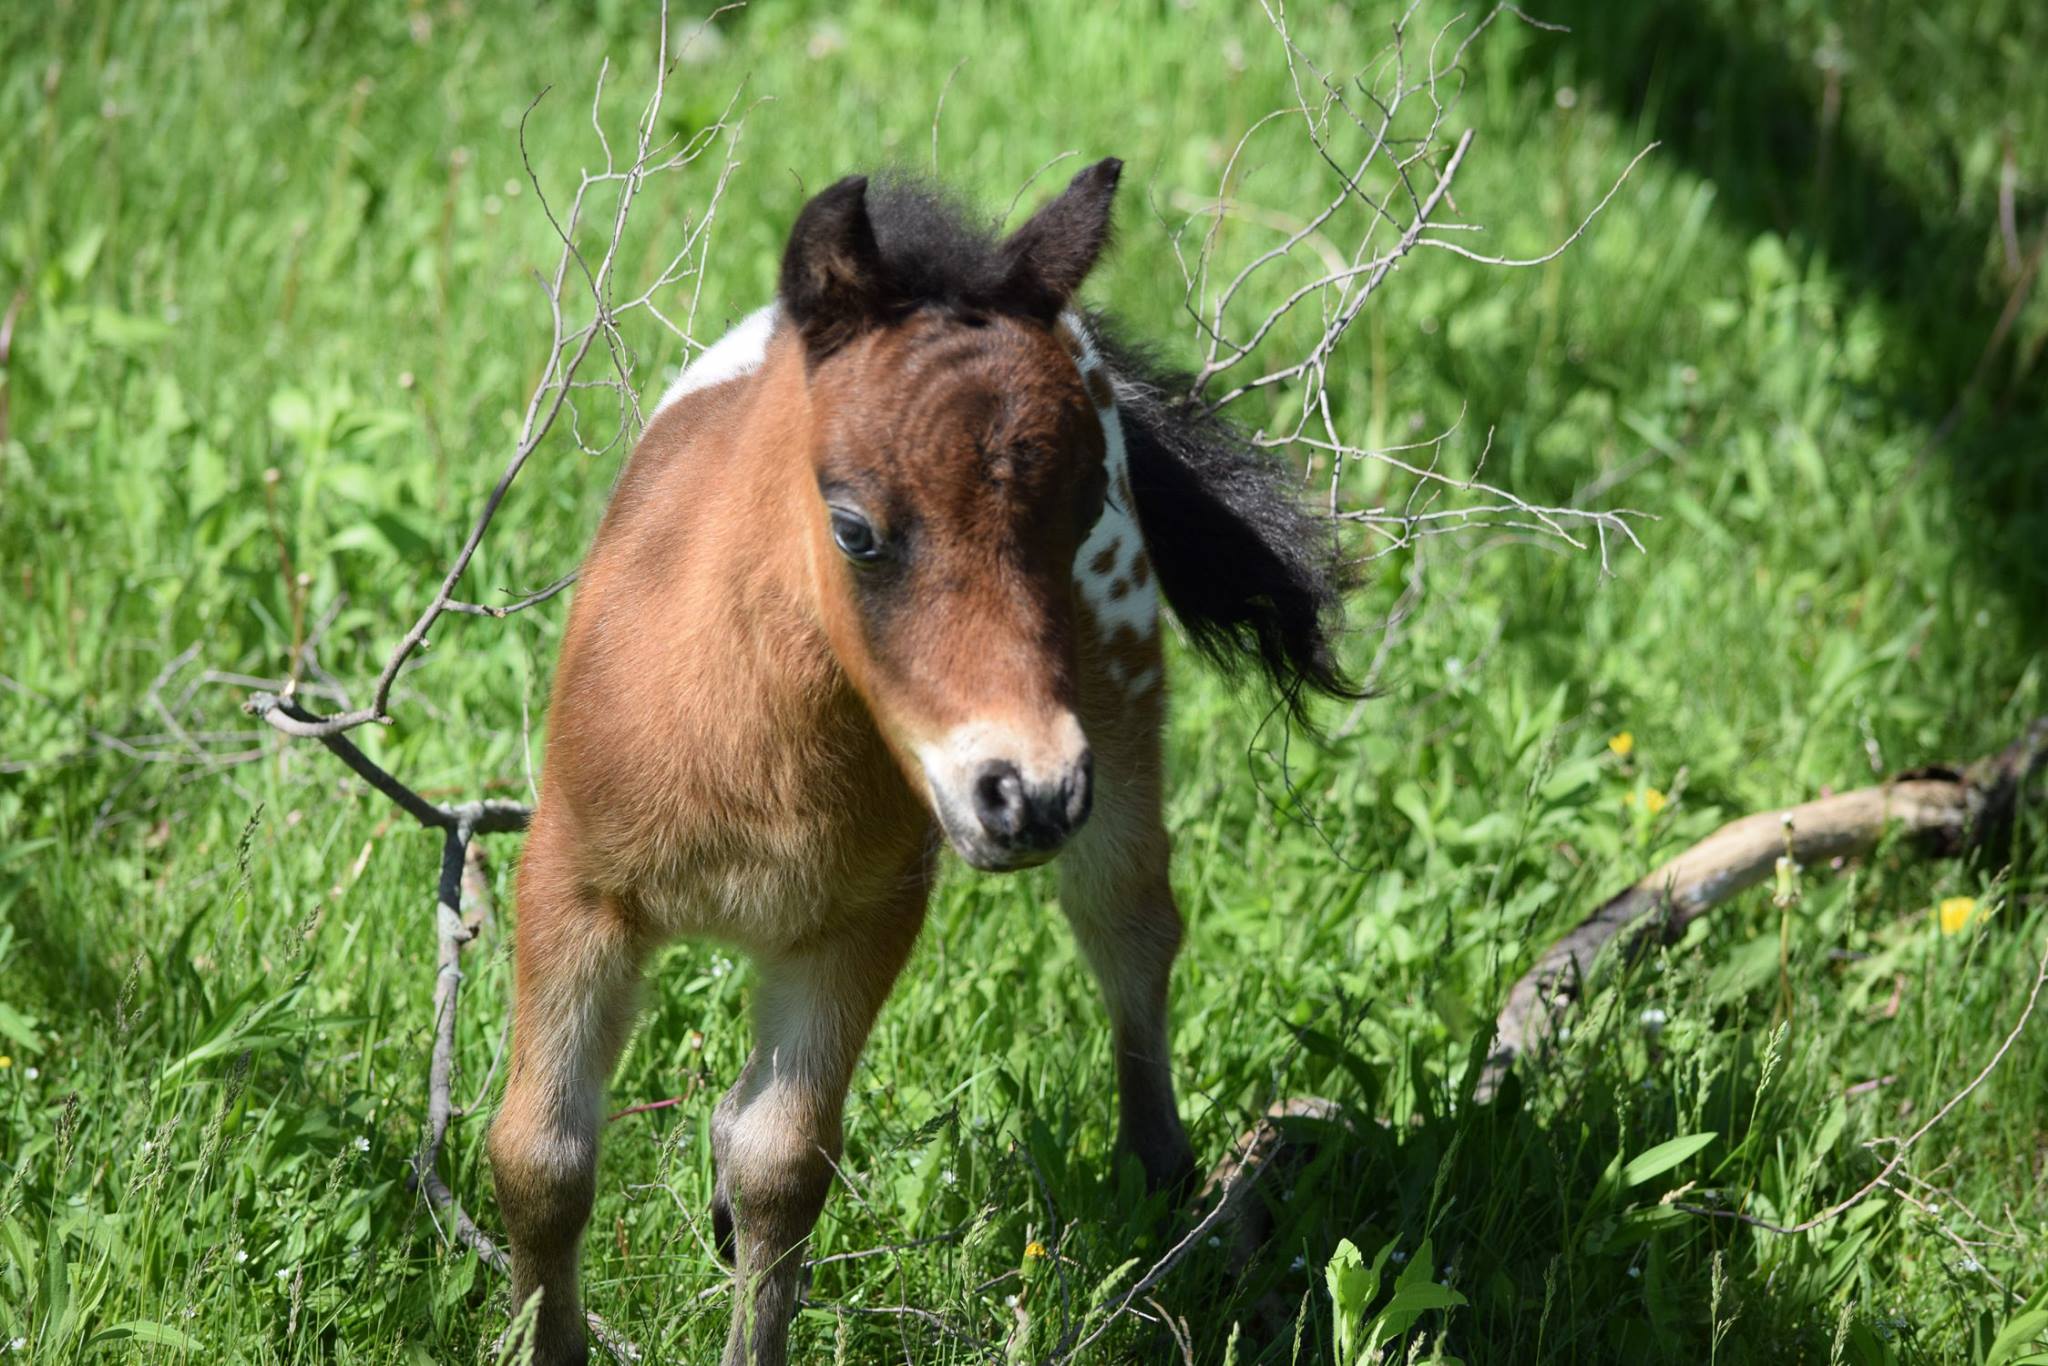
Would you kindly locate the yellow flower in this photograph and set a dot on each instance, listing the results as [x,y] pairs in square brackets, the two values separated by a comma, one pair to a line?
[6,1061]
[1956,912]
[1623,744]
[1034,1249]
[1654,801]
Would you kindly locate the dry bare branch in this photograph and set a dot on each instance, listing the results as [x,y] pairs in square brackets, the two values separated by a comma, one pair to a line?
[586,306]
[1949,811]
[571,344]
[1381,137]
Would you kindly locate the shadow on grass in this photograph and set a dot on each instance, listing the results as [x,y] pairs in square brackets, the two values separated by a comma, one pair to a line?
[1744,99]
[1524,1217]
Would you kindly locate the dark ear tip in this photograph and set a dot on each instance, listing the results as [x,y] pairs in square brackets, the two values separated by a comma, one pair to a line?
[1106,172]
[846,187]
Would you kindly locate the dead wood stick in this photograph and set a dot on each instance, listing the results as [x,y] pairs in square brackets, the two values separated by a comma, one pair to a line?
[463,880]
[1949,811]
[454,934]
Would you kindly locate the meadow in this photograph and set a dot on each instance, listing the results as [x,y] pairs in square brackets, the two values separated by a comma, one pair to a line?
[1805,337]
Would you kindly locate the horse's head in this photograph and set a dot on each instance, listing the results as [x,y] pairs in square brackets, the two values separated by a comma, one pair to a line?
[958,465]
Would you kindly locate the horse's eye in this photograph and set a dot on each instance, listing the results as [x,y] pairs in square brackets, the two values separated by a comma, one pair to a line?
[853,535]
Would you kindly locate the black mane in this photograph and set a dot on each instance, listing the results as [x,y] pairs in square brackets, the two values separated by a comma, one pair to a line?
[1252,574]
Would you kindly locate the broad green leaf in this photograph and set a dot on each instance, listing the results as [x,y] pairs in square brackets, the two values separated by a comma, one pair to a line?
[143,1330]
[1663,1158]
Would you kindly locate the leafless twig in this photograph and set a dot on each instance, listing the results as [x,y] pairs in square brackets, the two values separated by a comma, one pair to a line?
[586,304]
[571,343]
[1382,137]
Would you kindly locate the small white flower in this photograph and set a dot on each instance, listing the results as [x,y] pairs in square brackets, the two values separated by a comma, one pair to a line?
[18,1345]
[1299,1264]
[147,1145]
[284,1273]
[949,1176]
[1567,98]
[362,1143]
[1215,1241]
[1972,1264]
[32,1073]
[191,1311]
[1010,1300]
[1399,1256]
[1564,1033]
[1634,1272]
[241,1255]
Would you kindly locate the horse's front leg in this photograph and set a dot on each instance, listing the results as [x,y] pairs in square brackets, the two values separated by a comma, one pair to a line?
[1116,895]
[776,1134]
[579,965]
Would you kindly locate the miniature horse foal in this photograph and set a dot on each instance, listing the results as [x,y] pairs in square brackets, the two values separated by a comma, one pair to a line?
[885,565]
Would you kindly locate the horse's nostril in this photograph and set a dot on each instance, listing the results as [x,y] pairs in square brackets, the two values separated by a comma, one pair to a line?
[1080,790]
[999,799]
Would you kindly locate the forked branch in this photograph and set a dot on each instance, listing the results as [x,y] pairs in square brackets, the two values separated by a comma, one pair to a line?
[1381,136]
[586,305]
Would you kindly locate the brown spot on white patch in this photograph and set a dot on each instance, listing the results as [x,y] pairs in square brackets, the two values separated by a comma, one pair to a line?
[1141,570]
[1106,561]
[1064,332]
[1119,589]
[1097,380]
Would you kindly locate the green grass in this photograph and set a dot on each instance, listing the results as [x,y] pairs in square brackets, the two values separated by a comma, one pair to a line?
[274,235]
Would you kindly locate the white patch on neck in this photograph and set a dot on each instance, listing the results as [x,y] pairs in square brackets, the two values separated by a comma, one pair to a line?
[739,352]
[1114,595]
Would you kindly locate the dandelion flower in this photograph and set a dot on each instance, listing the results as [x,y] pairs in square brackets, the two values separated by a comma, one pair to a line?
[1623,744]
[1956,912]
[1034,1249]
[6,1061]
[1654,801]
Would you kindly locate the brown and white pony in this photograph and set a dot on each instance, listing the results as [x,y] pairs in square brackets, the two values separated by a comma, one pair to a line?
[885,567]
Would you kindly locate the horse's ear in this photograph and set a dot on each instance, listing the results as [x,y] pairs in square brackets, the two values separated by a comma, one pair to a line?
[833,280]
[1051,254]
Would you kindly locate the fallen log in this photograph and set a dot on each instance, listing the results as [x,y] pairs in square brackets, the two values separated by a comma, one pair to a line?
[1945,811]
